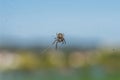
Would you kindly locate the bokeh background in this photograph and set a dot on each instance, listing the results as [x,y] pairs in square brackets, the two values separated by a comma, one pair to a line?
[91,30]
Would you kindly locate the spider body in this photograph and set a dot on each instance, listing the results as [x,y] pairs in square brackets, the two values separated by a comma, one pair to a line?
[59,39]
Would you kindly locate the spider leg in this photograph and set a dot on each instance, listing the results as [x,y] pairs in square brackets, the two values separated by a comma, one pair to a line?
[56,46]
[64,42]
[54,42]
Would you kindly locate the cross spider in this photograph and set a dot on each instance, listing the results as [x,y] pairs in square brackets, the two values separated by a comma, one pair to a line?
[59,38]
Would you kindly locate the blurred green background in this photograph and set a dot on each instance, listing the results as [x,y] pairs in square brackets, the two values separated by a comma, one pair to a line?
[97,64]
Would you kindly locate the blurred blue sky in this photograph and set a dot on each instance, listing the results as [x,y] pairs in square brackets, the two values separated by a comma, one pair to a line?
[80,18]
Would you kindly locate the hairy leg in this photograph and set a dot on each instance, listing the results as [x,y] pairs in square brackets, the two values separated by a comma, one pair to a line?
[54,42]
[56,46]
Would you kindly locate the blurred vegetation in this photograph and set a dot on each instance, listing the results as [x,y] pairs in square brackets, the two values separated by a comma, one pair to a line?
[79,65]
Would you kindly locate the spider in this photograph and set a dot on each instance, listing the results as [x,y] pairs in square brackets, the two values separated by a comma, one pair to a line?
[59,39]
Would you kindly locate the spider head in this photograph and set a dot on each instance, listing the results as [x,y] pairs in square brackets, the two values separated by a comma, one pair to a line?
[60,35]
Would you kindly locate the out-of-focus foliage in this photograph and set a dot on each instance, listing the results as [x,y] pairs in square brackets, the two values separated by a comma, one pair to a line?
[76,65]
[28,60]
[110,61]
